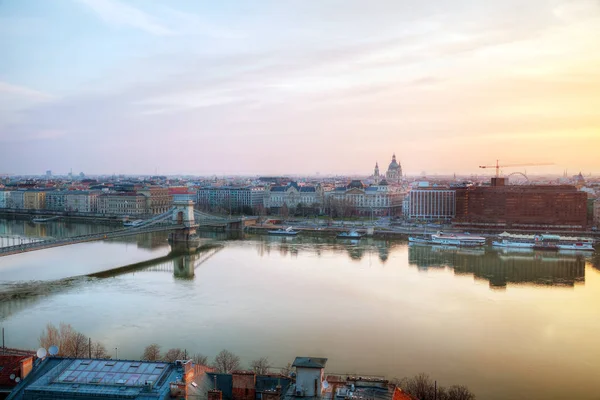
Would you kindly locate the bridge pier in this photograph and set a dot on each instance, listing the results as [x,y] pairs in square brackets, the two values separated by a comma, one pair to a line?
[184,240]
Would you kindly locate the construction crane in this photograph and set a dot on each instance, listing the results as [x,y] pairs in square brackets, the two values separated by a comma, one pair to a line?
[498,166]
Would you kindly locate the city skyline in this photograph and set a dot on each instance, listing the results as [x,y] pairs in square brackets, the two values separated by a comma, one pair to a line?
[106,86]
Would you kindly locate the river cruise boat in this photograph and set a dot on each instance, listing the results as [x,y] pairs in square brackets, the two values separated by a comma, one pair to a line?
[449,239]
[543,242]
[349,235]
[283,232]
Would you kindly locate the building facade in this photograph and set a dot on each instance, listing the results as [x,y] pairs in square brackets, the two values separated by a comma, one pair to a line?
[230,198]
[597,213]
[522,207]
[292,196]
[34,200]
[122,204]
[81,201]
[4,198]
[431,204]
[358,199]
[394,172]
[158,199]
[16,199]
[56,200]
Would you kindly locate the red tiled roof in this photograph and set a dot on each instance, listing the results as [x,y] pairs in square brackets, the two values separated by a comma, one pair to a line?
[401,395]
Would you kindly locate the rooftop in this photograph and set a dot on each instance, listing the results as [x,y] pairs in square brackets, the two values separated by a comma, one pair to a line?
[309,362]
[67,378]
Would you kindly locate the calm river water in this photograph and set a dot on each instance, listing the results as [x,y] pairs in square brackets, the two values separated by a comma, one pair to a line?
[517,325]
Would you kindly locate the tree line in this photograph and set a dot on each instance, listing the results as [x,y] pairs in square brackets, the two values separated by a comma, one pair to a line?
[72,343]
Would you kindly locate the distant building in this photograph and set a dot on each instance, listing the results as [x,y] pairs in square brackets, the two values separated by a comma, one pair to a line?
[596,217]
[158,199]
[522,207]
[81,201]
[230,198]
[183,193]
[34,200]
[5,199]
[432,204]
[293,195]
[79,378]
[56,200]
[16,199]
[121,204]
[48,174]
[394,172]
[359,199]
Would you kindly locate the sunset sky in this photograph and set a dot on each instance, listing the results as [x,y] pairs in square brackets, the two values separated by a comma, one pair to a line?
[275,87]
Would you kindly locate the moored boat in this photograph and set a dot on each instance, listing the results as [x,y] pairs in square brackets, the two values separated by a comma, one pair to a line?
[349,235]
[450,239]
[283,232]
[543,242]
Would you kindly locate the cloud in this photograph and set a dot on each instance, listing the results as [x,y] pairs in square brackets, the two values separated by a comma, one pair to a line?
[21,91]
[117,13]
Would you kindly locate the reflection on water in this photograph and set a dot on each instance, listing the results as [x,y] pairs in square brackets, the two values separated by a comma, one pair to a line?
[370,306]
[295,245]
[501,267]
[53,229]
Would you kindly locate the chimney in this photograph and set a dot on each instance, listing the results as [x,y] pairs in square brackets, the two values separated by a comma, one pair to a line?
[215,394]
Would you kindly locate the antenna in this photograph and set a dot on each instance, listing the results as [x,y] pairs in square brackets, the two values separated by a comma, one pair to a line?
[53,350]
[41,353]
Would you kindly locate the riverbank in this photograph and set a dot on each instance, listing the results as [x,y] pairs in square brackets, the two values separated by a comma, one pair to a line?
[402,232]
[63,216]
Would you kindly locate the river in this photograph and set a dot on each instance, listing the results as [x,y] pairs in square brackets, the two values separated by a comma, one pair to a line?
[516,325]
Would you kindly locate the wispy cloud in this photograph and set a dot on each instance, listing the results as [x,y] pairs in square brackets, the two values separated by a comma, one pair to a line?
[22,91]
[117,13]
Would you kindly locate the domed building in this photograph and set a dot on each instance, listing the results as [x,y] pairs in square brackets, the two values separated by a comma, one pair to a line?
[394,172]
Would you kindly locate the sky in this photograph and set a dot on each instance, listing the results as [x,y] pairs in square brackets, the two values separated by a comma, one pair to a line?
[298,87]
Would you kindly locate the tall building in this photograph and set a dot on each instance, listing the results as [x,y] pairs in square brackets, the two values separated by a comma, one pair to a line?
[431,204]
[394,172]
[522,207]
[596,217]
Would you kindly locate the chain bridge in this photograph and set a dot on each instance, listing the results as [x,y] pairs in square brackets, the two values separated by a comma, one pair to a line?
[181,221]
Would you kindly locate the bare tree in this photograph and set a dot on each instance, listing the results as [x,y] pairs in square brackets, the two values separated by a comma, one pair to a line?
[261,366]
[99,351]
[151,353]
[287,370]
[174,354]
[70,342]
[459,392]
[200,359]
[226,361]
[420,386]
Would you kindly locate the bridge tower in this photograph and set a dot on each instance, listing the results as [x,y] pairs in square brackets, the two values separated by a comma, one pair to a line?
[184,239]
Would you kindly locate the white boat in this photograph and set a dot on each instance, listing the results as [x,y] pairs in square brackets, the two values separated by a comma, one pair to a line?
[349,235]
[283,232]
[450,239]
[543,242]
